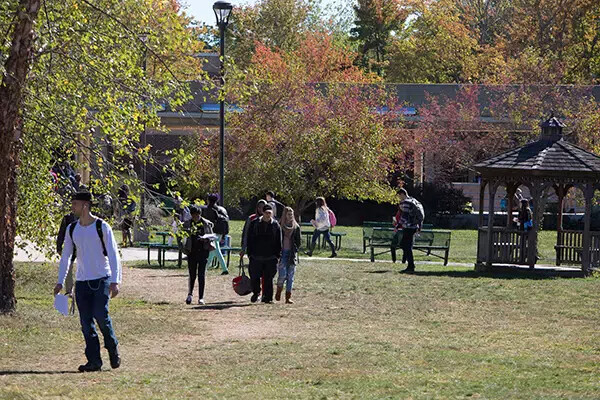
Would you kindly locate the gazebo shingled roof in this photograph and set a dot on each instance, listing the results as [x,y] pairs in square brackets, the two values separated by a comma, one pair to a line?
[542,156]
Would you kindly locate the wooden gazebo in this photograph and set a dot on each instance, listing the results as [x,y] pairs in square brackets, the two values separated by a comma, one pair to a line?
[550,163]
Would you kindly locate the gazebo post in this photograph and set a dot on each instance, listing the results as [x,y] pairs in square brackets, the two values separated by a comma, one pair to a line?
[493,187]
[481,200]
[586,244]
[561,191]
[479,261]
[511,189]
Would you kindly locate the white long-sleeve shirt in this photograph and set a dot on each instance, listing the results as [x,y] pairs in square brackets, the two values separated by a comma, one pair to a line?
[91,262]
[322,219]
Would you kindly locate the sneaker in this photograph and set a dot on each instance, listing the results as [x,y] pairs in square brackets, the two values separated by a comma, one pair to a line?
[115,359]
[254,298]
[189,299]
[89,368]
[225,273]
[308,253]
[408,270]
[201,302]
[333,255]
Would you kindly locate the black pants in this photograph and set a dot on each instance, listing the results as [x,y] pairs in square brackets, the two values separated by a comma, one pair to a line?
[265,269]
[197,264]
[406,244]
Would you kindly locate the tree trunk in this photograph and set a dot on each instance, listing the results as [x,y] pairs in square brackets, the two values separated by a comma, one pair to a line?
[11,100]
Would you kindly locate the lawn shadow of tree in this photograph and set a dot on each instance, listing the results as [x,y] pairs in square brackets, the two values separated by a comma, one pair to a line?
[221,305]
[503,272]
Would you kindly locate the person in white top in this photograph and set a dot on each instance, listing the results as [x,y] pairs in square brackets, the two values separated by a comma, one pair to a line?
[97,279]
[322,226]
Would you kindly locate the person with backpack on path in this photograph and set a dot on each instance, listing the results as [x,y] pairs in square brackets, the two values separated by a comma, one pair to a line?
[287,264]
[97,279]
[322,225]
[264,251]
[411,222]
[220,219]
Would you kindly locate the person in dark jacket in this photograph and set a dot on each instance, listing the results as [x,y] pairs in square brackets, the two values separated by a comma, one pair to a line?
[212,212]
[264,250]
[287,264]
[199,249]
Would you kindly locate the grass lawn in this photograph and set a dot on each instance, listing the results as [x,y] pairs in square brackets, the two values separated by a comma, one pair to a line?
[463,245]
[357,331]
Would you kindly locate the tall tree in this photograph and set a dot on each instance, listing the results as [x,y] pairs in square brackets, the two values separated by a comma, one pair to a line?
[87,90]
[16,68]
[310,126]
[375,21]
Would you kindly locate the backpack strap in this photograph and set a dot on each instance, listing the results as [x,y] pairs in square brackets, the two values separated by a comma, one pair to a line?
[71,229]
[101,236]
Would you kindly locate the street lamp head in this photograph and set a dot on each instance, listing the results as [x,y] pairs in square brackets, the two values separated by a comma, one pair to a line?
[143,37]
[222,11]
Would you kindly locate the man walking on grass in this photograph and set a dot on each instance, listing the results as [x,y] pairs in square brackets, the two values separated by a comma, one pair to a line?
[264,251]
[98,278]
[411,222]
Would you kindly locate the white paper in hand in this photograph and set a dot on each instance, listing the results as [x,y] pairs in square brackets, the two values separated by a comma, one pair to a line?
[61,304]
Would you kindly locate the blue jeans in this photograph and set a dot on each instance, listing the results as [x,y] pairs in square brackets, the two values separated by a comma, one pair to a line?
[92,302]
[286,269]
[326,238]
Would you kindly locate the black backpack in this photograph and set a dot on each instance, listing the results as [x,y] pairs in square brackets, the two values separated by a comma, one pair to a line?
[221,223]
[100,235]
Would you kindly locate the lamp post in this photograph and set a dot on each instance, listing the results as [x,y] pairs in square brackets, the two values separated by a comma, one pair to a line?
[144,39]
[222,11]
[140,232]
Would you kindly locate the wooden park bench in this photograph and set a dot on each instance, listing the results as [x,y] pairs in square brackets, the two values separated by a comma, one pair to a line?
[368,230]
[428,241]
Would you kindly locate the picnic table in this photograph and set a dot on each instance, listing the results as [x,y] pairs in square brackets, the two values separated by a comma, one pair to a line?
[162,249]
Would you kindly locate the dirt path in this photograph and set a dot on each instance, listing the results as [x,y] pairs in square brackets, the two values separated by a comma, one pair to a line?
[226,316]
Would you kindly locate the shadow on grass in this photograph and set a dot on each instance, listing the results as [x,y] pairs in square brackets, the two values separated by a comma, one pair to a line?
[145,265]
[380,271]
[503,272]
[37,372]
[222,305]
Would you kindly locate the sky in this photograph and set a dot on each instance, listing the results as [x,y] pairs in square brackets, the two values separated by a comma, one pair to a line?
[202,9]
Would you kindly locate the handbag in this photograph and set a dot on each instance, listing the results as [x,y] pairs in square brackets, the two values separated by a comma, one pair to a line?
[241,284]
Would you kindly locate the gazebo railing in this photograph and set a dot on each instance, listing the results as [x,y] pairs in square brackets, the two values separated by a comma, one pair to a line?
[569,246]
[508,246]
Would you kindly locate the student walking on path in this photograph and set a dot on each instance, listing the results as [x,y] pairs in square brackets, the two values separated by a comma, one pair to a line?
[198,249]
[220,220]
[322,226]
[259,211]
[264,250]
[411,222]
[97,279]
[287,264]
